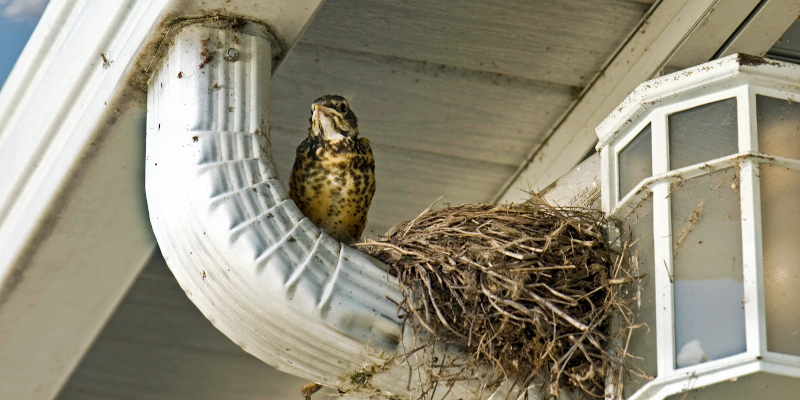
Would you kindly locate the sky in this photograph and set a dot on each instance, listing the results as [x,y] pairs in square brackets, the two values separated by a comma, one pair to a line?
[18,18]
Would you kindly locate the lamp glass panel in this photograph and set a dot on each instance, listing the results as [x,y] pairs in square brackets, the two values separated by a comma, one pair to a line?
[778,127]
[707,261]
[780,226]
[703,133]
[642,340]
[636,161]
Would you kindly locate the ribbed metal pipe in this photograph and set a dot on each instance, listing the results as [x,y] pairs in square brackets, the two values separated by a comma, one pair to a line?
[261,272]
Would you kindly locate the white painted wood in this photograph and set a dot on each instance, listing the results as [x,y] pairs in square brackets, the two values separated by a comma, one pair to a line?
[411,181]
[77,266]
[287,20]
[657,41]
[759,32]
[702,42]
[607,180]
[753,270]
[38,149]
[71,226]
[419,106]
[752,253]
[787,48]
[579,187]
[72,216]
[159,346]
[535,39]
[662,235]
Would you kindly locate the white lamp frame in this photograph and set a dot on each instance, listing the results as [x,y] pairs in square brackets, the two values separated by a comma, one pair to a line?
[652,103]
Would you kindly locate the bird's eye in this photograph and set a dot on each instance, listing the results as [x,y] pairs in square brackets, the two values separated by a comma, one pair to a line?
[342,108]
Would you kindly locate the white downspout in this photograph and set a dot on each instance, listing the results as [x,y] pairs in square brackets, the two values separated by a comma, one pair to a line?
[260,271]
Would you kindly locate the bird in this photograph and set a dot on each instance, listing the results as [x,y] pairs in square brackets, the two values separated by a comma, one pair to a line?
[333,176]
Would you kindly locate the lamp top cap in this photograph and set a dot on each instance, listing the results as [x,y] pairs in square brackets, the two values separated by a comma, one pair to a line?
[724,73]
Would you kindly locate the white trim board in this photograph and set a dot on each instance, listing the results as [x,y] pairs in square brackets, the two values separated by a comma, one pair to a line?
[73,221]
[674,35]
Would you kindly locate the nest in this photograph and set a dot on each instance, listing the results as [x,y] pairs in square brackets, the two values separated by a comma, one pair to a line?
[529,290]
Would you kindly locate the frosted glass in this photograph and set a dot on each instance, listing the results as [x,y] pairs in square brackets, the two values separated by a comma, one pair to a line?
[778,127]
[780,221]
[707,257]
[702,133]
[643,340]
[635,161]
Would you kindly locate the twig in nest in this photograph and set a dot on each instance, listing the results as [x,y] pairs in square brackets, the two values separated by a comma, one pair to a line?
[309,389]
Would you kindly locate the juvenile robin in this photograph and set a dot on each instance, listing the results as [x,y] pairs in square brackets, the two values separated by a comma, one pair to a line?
[333,177]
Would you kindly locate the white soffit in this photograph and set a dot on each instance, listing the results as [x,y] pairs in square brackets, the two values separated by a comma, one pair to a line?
[675,34]
[73,220]
[788,48]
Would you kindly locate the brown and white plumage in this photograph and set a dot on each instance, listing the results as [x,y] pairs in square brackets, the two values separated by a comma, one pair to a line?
[333,177]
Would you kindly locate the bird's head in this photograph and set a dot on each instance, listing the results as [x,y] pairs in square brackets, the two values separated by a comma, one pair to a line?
[332,119]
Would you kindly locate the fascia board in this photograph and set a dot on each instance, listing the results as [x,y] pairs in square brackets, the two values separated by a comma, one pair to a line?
[85,61]
[71,120]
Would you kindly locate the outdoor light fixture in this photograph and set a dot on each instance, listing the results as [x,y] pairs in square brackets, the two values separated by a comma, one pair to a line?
[702,167]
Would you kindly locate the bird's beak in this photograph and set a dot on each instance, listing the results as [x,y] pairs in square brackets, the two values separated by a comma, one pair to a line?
[328,112]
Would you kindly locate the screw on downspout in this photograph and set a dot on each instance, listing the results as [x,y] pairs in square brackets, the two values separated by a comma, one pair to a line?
[231,55]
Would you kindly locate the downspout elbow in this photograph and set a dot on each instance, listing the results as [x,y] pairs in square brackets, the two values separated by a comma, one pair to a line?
[261,272]
[242,251]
